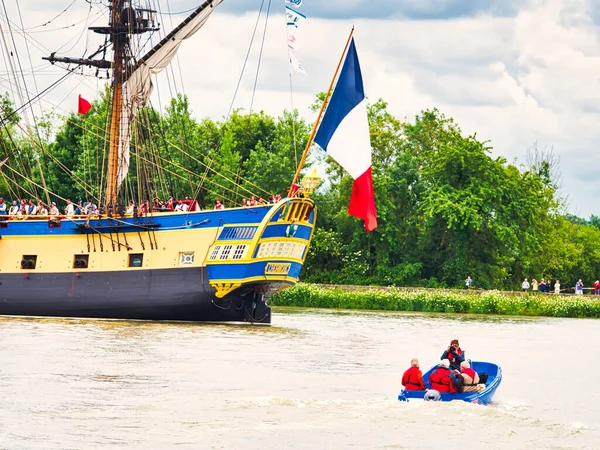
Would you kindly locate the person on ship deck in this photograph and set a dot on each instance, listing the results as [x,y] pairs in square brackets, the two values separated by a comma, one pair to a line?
[2,207]
[90,207]
[31,209]
[53,210]
[70,208]
[171,204]
[14,209]
[158,206]
[130,207]
[144,208]
[41,208]
[412,380]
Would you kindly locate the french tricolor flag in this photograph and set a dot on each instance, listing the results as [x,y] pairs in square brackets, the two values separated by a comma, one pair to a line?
[344,135]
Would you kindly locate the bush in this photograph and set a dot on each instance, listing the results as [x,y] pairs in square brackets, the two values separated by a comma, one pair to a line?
[436,300]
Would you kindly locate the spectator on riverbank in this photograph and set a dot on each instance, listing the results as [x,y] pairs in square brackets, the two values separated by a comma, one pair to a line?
[525,285]
[597,287]
[412,380]
[534,284]
[557,287]
[579,287]
[468,282]
[543,286]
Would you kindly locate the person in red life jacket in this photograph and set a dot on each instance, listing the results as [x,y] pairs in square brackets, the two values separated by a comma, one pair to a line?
[442,379]
[470,379]
[454,354]
[412,380]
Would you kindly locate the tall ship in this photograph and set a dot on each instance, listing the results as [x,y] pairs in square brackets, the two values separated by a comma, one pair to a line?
[124,258]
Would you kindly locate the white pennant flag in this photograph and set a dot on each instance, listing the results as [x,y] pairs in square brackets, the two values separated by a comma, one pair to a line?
[295,64]
[296,3]
[293,17]
[293,41]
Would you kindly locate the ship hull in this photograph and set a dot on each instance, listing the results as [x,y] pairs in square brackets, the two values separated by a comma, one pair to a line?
[206,266]
[167,294]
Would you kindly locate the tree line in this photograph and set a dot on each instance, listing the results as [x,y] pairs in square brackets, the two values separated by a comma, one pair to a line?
[446,207]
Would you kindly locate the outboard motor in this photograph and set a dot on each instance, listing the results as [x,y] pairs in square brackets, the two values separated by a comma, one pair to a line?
[432,395]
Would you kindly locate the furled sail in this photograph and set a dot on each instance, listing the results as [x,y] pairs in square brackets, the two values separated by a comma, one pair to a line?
[138,87]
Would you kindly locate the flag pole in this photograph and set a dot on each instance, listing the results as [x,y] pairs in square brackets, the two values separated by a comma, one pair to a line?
[316,125]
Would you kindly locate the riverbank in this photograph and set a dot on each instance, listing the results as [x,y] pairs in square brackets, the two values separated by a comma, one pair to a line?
[438,300]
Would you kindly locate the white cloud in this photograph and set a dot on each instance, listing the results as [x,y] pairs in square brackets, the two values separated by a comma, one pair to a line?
[514,79]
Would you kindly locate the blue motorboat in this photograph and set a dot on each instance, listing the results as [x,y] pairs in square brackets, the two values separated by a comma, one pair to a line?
[482,397]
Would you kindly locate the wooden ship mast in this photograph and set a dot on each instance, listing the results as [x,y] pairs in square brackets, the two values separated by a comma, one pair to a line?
[125,22]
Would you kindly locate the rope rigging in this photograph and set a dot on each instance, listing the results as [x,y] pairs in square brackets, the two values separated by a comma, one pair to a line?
[156,167]
[262,45]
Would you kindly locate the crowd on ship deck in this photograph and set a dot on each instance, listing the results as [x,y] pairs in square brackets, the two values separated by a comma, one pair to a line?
[30,207]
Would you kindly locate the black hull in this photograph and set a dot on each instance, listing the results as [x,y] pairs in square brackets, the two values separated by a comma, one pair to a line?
[166,294]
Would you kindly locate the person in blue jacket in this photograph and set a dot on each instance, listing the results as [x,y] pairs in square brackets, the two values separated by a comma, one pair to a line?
[454,354]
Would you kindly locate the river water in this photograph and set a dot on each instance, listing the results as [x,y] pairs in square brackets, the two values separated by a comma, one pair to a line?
[314,379]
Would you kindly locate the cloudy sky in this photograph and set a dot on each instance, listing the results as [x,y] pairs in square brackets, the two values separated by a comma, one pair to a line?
[516,72]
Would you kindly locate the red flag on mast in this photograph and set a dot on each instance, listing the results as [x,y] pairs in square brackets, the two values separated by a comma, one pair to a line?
[84,106]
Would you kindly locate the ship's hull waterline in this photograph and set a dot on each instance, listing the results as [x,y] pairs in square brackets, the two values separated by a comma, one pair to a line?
[163,294]
[201,266]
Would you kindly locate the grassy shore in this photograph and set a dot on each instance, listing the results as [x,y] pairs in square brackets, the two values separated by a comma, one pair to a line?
[438,300]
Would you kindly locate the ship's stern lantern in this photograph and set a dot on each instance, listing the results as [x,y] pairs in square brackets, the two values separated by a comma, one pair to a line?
[310,183]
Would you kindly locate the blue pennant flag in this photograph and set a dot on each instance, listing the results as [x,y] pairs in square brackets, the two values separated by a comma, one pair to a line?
[296,3]
[293,17]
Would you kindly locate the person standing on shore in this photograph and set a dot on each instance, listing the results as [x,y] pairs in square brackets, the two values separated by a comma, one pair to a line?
[557,287]
[534,284]
[579,287]
[543,286]
[468,282]
[597,288]
[525,285]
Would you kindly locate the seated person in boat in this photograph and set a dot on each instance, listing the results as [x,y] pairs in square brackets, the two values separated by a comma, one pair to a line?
[454,354]
[218,204]
[470,379]
[412,380]
[442,378]
[2,207]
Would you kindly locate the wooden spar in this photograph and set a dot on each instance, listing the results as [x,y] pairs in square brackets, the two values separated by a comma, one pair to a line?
[119,43]
[318,121]
[168,37]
